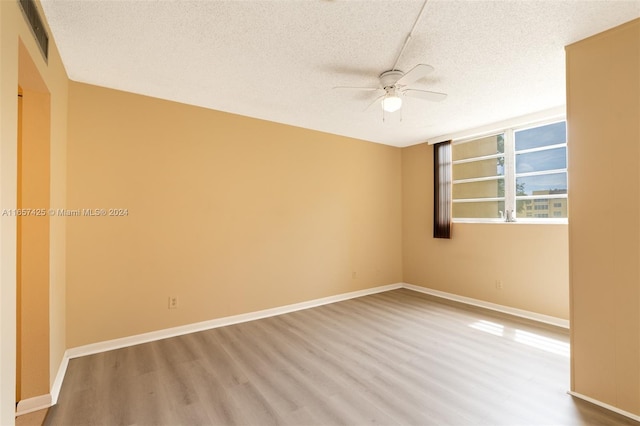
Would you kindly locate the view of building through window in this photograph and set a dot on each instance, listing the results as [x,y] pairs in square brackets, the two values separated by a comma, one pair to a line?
[518,173]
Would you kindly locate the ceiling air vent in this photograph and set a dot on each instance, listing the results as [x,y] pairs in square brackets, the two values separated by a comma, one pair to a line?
[33,18]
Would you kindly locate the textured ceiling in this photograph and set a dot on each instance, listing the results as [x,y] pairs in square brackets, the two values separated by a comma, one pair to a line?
[279,60]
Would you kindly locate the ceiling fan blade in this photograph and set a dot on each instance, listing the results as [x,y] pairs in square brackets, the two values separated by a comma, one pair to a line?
[374,102]
[415,74]
[357,88]
[425,94]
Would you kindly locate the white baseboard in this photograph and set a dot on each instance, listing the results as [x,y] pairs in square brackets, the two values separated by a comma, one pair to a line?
[219,322]
[547,319]
[30,405]
[604,405]
[57,383]
[108,345]
[200,326]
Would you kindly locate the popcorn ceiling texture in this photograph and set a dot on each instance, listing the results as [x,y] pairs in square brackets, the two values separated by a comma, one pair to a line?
[278,60]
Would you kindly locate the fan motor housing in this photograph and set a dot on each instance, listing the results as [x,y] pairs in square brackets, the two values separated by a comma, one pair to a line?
[389,78]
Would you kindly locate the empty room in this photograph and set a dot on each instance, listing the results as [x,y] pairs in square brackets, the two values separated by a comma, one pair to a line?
[321,212]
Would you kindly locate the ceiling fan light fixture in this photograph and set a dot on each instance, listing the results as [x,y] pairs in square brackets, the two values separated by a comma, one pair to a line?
[391,103]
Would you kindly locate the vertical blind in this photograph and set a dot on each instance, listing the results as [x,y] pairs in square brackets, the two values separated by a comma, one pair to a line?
[442,190]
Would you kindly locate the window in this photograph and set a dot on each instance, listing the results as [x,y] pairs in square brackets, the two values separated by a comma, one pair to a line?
[478,177]
[515,172]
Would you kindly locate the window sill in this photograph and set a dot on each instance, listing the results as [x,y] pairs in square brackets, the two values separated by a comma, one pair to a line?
[523,221]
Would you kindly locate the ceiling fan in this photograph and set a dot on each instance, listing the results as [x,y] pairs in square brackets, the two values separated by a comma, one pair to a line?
[395,85]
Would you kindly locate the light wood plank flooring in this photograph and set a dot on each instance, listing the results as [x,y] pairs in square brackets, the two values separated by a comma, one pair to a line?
[35,418]
[393,358]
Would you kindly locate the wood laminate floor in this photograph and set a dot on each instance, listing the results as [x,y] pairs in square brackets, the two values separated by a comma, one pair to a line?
[35,418]
[393,358]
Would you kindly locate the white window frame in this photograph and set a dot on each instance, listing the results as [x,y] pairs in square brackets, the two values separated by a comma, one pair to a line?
[510,173]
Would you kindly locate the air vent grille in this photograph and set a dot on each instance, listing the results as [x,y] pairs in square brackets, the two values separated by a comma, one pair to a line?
[35,22]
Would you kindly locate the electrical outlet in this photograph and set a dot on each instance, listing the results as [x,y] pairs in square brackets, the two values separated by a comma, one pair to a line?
[354,274]
[173,302]
[498,285]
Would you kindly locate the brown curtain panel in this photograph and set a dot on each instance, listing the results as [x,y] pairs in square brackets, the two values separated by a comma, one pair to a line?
[442,190]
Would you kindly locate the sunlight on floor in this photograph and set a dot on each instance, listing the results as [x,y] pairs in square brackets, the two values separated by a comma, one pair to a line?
[541,342]
[489,327]
[525,337]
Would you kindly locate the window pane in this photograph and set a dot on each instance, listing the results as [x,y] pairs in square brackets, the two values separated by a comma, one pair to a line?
[489,145]
[554,207]
[554,183]
[484,210]
[483,189]
[483,168]
[549,159]
[551,134]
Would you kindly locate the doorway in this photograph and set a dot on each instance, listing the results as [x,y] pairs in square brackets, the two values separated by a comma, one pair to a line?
[32,242]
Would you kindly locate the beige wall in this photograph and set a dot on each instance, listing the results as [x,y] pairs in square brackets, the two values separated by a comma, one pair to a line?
[13,31]
[233,215]
[229,214]
[603,110]
[531,261]
[33,244]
